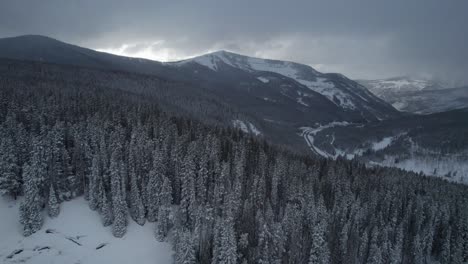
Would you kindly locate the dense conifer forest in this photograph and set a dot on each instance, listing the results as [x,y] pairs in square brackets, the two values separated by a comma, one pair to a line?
[216,194]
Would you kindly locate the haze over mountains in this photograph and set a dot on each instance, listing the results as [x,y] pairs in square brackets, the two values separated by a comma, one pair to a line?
[288,103]
[421,96]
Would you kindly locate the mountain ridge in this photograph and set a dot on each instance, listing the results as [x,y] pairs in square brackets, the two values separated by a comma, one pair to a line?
[336,88]
[419,96]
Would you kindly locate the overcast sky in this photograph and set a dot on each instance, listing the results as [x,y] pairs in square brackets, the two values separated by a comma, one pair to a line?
[359,38]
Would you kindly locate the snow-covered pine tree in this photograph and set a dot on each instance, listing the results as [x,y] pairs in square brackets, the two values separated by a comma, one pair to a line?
[106,210]
[165,198]
[9,181]
[119,225]
[33,177]
[137,209]
[397,247]
[319,252]
[184,248]
[30,210]
[375,254]
[94,180]
[446,250]
[225,251]
[187,206]
[417,251]
[153,186]
[53,206]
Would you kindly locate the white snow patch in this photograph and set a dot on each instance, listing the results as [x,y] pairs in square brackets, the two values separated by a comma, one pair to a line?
[240,125]
[263,79]
[300,101]
[254,130]
[400,105]
[208,61]
[246,127]
[328,89]
[77,222]
[269,99]
[385,142]
[402,84]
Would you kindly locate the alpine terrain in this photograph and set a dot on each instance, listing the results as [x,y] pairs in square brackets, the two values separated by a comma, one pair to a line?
[220,158]
[421,96]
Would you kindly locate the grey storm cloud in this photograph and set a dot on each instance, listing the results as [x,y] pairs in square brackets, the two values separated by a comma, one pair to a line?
[359,38]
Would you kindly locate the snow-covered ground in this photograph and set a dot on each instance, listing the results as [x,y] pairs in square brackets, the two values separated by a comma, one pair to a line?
[385,142]
[447,168]
[77,236]
[328,89]
[246,127]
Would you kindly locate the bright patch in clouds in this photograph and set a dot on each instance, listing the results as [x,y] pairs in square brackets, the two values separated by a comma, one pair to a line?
[152,51]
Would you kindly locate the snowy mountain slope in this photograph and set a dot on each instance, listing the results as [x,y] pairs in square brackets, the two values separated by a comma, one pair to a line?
[400,85]
[422,96]
[76,236]
[433,101]
[435,144]
[344,93]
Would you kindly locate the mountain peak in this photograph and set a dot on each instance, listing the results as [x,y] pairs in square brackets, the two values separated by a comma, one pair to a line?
[217,59]
[336,88]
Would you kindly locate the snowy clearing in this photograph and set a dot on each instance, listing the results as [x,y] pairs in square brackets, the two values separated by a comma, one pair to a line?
[385,142]
[246,127]
[77,236]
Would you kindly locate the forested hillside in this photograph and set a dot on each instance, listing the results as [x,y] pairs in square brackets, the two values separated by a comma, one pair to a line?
[216,194]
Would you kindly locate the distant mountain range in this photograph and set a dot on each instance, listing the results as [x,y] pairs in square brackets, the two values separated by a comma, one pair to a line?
[275,97]
[287,103]
[421,96]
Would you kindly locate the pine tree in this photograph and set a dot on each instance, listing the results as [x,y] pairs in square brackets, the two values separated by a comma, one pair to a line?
[94,195]
[119,225]
[264,246]
[30,209]
[446,250]
[185,251]
[153,186]
[417,251]
[33,177]
[163,224]
[187,203]
[319,252]
[375,254]
[137,210]
[226,253]
[397,247]
[9,182]
[53,206]
[106,210]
